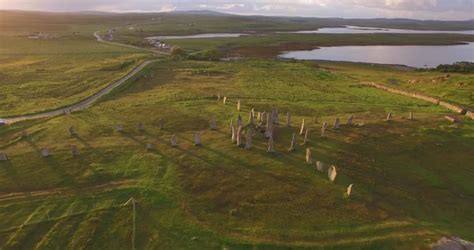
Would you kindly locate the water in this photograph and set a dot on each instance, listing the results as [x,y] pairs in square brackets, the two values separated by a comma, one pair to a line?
[207,35]
[414,56]
[371,30]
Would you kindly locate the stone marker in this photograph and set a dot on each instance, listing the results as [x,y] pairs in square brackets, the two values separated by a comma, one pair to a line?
[119,128]
[270,148]
[3,157]
[389,117]
[275,116]
[293,143]
[72,131]
[161,123]
[248,140]
[259,116]
[320,166]
[234,134]
[349,120]
[336,123]
[410,117]
[149,146]
[238,105]
[269,129]
[305,140]
[45,152]
[239,136]
[263,117]
[140,127]
[288,119]
[239,121]
[213,124]
[309,156]
[332,173]
[174,143]
[197,139]
[224,100]
[349,190]
[251,119]
[323,130]
[218,96]
[302,127]
[252,112]
[451,118]
[74,150]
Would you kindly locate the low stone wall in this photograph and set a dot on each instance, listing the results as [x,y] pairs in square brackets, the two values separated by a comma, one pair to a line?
[452,107]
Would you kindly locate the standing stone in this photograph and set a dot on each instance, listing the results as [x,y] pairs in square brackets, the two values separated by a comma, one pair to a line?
[218,96]
[323,130]
[252,112]
[248,140]
[72,131]
[349,190]
[239,121]
[336,123]
[270,148]
[119,128]
[197,139]
[349,120]
[74,150]
[251,119]
[238,105]
[45,152]
[213,124]
[161,123]
[3,157]
[239,136]
[293,143]
[309,156]
[288,119]
[224,100]
[411,116]
[149,146]
[302,127]
[269,129]
[332,173]
[263,117]
[174,143]
[259,116]
[305,140]
[320,166]
[389,117]
[275,116]
[234,134]
[140,127]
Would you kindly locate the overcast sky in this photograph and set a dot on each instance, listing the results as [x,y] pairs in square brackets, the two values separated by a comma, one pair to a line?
[419,9]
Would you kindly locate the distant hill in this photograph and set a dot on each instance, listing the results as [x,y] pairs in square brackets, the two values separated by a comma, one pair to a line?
[201,13]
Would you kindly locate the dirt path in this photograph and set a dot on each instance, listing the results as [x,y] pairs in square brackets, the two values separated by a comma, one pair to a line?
[65,191]
[91,99]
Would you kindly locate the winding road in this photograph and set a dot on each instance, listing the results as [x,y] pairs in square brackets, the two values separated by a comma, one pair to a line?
[89,101]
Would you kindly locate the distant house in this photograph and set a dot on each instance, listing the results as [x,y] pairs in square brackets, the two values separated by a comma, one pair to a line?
[3,122]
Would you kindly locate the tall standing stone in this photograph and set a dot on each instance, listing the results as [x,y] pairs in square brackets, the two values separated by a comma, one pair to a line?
[288,119]
[269,129]
[302,127]
[213,124]
[271,148]
[161,123]
[309,156]
[140,127]
[72,131]
[389,117]
[224,100]
[74,150]
[336,123]
[45,152]
[251,119]
[411,116]
[239,121]
[238,105]
[248,140]
[275,116]
[252,112]
[3,156]
[332,173]
[259,116]
[320,166]
[218,96]
[197,139]
[234,134]
[239,136]
[174,143]
[349,190]
[293,143]
[349,120]
[305,140]
[323,129]
[263,117]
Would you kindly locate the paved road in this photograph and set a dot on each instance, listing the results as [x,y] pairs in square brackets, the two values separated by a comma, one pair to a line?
[91,99]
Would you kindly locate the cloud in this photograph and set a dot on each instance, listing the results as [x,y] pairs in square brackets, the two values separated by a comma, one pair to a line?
[422,9]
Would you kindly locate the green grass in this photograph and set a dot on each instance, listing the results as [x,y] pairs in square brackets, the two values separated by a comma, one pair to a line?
[38,75]
[412,181]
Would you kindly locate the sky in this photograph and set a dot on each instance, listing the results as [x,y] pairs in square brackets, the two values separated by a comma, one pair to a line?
[418,9]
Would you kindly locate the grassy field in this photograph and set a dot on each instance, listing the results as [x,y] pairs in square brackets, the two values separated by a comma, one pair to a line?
[38,75]
[412,181]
